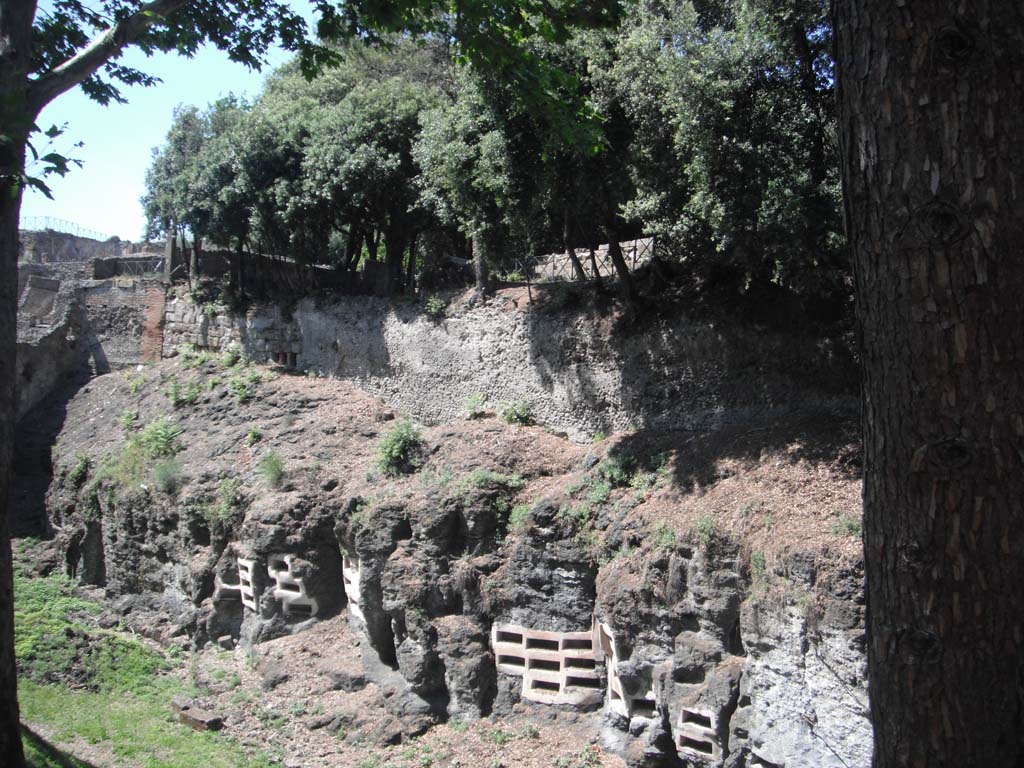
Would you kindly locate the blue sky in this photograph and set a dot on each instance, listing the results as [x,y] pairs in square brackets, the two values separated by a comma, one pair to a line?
[104,194]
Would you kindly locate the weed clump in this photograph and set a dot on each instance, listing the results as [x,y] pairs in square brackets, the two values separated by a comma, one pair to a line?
[80,473]
[167,476]
[706,531]
[272,468]
[184,394]
[160,438]
[400,450]
[474,405]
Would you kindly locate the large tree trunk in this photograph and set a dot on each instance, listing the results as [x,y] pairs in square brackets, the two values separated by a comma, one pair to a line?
[932,123]
[16,119]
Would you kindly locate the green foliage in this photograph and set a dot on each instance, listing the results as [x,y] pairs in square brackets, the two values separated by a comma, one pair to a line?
[254,435]
[129,420]
[599,436]
[400,450]
[135,384]
[616,470]
[80,473]
[664,536]
[160,438]
[577,514]
[707,530]
[758,568]
[47,615]
[435,307]
[519,517]
[167,476]
[184,394]
[240,389]
[227,506]
[272,468]
[518,412]
[474,405]
[486,478]
[599,493]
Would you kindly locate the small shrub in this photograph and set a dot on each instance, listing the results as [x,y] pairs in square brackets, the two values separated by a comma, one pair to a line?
[272,469]
[519,517]
[664,536]
[706,531]
[254,436]
[167,476]
[474,405]
[616,470]
[577,514]
[80,473]
[459,726]
[214,383]
[758,568]
[599,436]
[435,307]
[129,420]
[400,449]
[160,437]
[135,384]
[518,412]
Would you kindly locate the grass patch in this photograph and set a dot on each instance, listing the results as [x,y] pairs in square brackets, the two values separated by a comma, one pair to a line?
[254,436]
[121,696]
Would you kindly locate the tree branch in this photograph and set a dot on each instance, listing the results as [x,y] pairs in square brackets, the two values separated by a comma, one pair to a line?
[107,46]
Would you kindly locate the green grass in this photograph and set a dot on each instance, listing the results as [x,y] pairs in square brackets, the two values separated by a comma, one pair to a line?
[706,529]
[122,694]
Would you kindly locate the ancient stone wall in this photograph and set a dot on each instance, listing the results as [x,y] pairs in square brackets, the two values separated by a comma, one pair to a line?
[124,321]
[577,371]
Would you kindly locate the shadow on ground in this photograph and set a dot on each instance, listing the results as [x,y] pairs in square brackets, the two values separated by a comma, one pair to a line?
[39,753]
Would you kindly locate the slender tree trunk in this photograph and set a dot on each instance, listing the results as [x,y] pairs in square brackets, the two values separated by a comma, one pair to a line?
[481,269]
[931,102]
[626,286]
[577,268]
[16,119]
[372,242]
[410,273]
[593,266]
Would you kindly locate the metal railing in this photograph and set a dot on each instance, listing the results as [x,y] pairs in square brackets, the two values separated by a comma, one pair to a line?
[558,268]
[48,223]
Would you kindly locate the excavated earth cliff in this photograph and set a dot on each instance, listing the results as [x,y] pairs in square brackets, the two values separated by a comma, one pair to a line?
[686,597]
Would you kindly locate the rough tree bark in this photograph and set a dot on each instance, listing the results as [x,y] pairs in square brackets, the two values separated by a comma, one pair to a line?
[15,32]
[481,268]
[932,119]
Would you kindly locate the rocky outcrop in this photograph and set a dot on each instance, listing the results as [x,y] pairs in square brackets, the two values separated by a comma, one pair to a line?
[507,573]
